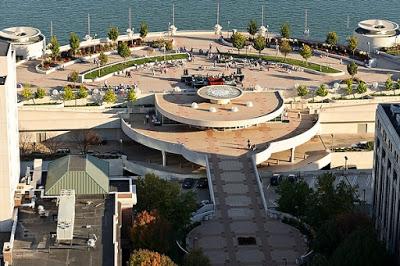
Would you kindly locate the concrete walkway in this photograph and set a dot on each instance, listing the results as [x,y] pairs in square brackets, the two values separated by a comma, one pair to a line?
[240,213]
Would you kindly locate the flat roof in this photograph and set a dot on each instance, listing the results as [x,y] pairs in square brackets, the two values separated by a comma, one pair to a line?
[19,33]
[378,25]
[180,105]
[35,236]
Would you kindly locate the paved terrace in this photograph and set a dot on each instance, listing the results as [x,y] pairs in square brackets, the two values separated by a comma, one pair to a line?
[180,105]
[229,143]
[240,213]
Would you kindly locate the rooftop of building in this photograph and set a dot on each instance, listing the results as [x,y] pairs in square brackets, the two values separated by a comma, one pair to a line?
[19,34]
[87,175]
[393,113]
[377,26]
[35,238]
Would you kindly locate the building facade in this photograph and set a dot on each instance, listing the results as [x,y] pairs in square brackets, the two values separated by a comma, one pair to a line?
[9,141]
[386,202]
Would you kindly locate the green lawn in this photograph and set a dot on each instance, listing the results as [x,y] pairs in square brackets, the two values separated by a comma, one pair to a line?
[95,73]
[289,61]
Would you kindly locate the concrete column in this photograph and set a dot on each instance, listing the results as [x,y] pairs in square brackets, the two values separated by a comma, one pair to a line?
[292,155]
[164,158]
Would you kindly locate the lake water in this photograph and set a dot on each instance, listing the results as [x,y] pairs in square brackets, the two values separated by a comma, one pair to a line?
[71,15]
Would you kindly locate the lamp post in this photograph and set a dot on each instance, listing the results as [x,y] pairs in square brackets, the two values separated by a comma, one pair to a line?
[164,48]
[369,48]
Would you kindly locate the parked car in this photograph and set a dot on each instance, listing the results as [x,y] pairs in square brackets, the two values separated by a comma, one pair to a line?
[275,179]
[188,183]
[202,183]
[292,178]
[63,151]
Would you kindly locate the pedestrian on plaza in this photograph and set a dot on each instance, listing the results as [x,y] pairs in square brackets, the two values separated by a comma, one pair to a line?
[248,144]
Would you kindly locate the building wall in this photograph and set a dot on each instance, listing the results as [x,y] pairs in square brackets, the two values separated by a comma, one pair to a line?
[9,140]
[386,201]
[376,42]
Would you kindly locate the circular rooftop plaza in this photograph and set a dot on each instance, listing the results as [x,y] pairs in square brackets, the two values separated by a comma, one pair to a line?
[244,109]
[220,94]
[20,34]
[378,26]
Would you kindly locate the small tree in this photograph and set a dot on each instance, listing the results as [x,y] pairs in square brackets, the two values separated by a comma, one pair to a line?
[40,93]
[260,43]
[302,91]
[54,48]
[322,91]
[74,77]
[306,53]
[123,50]
[362,87]
[131,97]
[389,84]
[349,86]
[238,41]
[82,92]
[113,34]
[196,257]
[74,43]
[85,139]
[144,29]
[27,92]
[352,43]
[68,94]
[285,48]
[332,38]
[252,28]
[143,257]
[110,96]
[285,30]
[352,69]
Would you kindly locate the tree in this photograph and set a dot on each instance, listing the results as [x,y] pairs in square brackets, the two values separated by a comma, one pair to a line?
[302,90]
[74,77]
[86,138]
[123,50]
[322,91]
[158,194]
[113,34]
[285,48]
[362,87]
[361,248]
[389,84]
[318,260]
[82,93]
[131,97]
[74,43]
[352,69]
[54,48]
[349,86]
[143,257]
[150,231]
[103,59]
[352,43]
[196,257]
[293,197]
[110,96]
[144,29]
[285,30]
[252,27]
[238,41]
[332,38]
[26,92]
[306,52]
[40,93]
[329,200]
[259,43]
[68,94]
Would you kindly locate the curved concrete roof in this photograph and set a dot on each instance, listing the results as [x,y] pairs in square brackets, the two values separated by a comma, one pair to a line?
[220,92]
[19,34]
[378,26]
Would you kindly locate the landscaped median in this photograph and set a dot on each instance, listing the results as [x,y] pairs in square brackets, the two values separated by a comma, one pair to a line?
[312,67]
[103,71]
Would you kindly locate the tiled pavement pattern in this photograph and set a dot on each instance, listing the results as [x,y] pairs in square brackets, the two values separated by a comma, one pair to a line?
[240,213]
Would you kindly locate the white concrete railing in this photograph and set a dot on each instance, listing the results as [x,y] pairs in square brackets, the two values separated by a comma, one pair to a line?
[175,148]
[287,144]
[210,183]
[223,123]
[142,170]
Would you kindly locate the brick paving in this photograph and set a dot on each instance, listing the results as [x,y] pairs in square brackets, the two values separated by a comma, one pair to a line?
[240,213]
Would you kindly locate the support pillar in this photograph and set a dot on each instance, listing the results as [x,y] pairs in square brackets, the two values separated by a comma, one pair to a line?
[292,150]
[164,158]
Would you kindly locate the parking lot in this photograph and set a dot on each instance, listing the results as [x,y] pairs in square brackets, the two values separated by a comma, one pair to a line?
[202,194]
